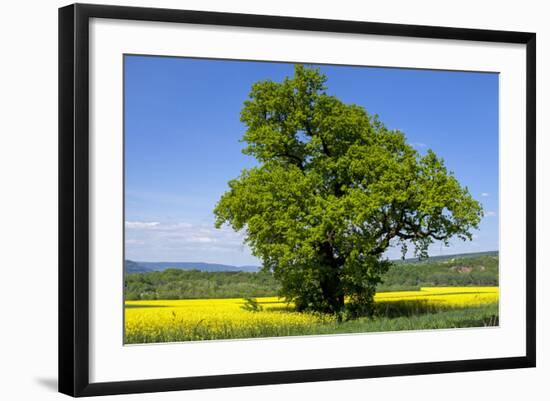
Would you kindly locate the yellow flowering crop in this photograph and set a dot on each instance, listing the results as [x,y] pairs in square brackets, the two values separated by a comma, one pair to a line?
[445,296]
[207,319]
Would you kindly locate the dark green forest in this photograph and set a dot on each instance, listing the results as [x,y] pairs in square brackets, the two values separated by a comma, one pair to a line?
[460,270]
[192,284]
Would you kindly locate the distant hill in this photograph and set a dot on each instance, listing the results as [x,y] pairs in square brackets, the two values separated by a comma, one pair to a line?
[131,267]
[440,258]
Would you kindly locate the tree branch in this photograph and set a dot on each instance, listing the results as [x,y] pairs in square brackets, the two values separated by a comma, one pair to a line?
[298,162]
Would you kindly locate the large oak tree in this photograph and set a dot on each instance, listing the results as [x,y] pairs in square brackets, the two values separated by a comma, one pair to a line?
[333,189]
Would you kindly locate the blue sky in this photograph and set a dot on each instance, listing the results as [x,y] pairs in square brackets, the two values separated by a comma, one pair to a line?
[182,133]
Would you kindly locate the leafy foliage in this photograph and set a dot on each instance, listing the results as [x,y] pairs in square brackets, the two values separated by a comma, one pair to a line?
[252,305]
[333,190]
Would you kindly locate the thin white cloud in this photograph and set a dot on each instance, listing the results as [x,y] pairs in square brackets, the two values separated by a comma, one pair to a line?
[202,240]
[419,145]
[134,242]
[490,213]
[182,241]
[485,194]
[141,224]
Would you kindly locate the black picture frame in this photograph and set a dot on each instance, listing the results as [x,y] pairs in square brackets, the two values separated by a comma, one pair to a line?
[74,198]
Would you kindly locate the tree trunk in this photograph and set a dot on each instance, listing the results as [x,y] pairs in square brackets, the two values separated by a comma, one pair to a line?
[330,281]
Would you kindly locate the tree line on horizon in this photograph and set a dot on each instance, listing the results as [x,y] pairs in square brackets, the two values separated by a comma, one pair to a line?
[194,284]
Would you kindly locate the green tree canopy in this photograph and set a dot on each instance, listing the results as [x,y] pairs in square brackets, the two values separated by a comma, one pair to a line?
[333,189]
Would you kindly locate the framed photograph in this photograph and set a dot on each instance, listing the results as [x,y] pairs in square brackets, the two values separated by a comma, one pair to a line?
[251,199]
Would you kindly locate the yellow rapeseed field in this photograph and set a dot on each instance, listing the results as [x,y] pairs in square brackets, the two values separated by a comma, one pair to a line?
[456,297]
[202,319]
[206,319]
